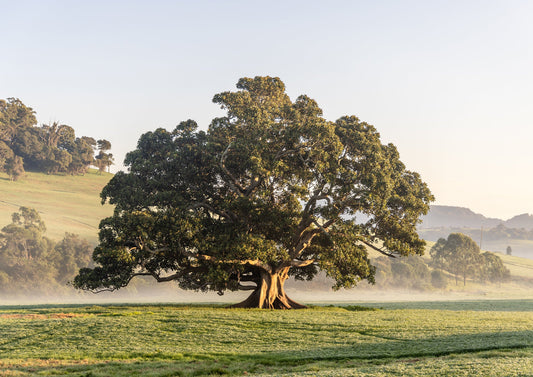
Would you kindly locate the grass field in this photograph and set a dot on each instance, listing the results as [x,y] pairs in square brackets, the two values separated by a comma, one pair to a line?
[66,203]
[412,339]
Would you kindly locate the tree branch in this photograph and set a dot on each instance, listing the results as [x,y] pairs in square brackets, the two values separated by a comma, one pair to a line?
[251,262]
[160,279]
[209,207]
[112,289]
[324,226]
[302,263]
[388,254]
[255,182]
[246,287]
[234,183]
[304,242]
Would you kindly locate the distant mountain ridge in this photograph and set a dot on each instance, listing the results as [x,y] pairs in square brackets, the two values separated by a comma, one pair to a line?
[450,216]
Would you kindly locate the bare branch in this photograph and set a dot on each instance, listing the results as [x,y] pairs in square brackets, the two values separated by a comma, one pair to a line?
[317,195]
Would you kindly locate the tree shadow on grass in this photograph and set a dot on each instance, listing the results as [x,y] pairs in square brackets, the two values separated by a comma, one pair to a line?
[391,348]
[377,350]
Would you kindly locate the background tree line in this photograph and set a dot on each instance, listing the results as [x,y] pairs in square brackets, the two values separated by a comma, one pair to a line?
[51,148]
[461,256]
[32,263]
[456,258]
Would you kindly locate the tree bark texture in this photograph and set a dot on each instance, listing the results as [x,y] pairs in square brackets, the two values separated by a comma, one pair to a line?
[270,293]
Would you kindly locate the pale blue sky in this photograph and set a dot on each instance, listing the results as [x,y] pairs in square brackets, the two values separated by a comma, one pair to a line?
[450,83]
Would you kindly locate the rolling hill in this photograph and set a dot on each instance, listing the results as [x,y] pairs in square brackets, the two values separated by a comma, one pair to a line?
[493,234]
[460,217]
[66,203]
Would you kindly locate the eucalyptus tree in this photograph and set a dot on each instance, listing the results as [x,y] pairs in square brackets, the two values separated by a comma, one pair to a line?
[459,255]
[493,269]
[14,116]
[270,190]
[103,159]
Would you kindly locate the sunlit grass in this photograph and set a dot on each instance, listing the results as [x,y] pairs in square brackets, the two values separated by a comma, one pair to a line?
[66,203]
[202,340]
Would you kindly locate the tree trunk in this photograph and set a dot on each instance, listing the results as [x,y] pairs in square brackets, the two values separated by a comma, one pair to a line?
[270,293]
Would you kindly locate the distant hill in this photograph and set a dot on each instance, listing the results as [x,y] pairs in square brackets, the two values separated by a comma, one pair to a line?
[66,203]
[493,234]
[521,221]
[460,217]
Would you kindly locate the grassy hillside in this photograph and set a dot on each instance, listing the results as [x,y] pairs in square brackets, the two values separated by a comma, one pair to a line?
[66,203]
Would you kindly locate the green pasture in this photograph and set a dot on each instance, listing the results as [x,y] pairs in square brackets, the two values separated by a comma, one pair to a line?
[478,338]
[66,203]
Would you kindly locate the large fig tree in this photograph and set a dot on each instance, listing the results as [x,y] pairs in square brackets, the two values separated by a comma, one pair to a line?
[270,190]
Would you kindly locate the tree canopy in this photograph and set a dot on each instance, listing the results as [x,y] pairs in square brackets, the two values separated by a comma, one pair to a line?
[270,190]
[51,148]
[461,256]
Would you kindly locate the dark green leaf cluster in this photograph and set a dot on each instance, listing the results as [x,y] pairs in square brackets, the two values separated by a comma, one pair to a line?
[52,148]
[270,188]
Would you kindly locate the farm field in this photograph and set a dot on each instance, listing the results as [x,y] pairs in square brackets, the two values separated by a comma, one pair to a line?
[467,338]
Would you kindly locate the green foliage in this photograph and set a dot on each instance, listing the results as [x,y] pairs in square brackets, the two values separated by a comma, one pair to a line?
[71,254]
[14,116]
[272,188]
[14,167]
[52,148]
[492,268]
[33,263]
[103,160]
[5,154]
[461,256]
